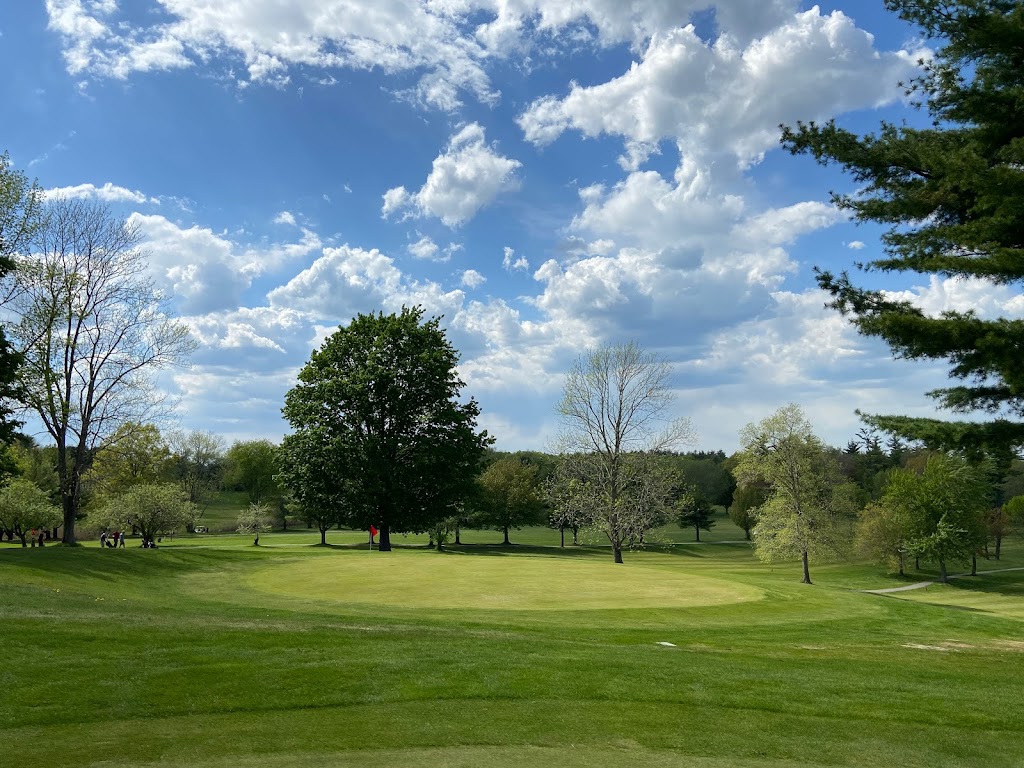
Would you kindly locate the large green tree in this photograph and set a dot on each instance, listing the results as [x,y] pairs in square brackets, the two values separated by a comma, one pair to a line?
[380,432]
[938,512]
[134,454]
[951,196]
[252,466]
[510,495]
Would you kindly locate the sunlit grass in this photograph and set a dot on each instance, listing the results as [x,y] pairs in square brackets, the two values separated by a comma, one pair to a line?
[210,652]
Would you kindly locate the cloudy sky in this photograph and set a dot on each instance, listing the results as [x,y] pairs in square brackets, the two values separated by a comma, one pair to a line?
[547,175]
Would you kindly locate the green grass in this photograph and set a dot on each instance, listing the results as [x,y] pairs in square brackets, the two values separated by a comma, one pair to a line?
[209,652]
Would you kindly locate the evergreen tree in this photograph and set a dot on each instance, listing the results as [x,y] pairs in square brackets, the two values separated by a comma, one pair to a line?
[20,218]
[952,196]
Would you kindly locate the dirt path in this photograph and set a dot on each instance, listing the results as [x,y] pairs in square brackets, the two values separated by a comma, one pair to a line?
[923,584]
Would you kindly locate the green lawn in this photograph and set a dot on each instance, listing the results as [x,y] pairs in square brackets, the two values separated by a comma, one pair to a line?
[209,652]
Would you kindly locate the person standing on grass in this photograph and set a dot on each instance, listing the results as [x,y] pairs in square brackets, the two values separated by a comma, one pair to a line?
[103,539]
[121,540]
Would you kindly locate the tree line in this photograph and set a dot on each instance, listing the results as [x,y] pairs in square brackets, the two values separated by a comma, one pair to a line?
[383,435]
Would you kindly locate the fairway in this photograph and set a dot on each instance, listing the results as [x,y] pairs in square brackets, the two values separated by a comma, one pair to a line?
[214,653]
[513,583]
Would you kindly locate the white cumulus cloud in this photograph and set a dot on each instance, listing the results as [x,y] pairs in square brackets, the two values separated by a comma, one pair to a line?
[468,175]
[108,193]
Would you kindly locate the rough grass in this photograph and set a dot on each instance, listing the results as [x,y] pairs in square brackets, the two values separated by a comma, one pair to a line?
[293,654]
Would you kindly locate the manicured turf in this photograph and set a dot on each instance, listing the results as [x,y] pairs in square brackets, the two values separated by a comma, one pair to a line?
[209,652]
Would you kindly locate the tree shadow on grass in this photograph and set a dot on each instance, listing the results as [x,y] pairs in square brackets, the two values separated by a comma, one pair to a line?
[89,563]
[504,550]
[705,550]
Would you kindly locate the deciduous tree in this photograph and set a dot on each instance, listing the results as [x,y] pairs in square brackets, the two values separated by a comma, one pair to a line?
[93,330]
[745,502]
[693,510]
[152,509]
[252,466]
[509,495]
[380,431]
[254,520]
[197,464]
[943,505]
[24,506]
[805,515]
[135,453]
[951,197]
[614,407]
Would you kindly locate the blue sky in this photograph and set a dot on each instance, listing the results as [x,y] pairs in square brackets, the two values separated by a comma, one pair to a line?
[547,175]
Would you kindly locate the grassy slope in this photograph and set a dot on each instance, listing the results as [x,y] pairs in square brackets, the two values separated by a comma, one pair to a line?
[209,652]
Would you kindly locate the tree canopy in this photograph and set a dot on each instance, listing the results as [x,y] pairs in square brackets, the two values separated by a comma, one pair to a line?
[152,509]
[806,512]
[951,196]
[380,433]
[510,495]
[935,513]
[252,466]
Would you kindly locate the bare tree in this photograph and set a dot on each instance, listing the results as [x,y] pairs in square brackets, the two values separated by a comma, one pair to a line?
[93,332]
[197,463]
[614,408]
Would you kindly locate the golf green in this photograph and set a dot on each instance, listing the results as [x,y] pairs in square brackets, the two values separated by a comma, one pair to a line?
[509,583]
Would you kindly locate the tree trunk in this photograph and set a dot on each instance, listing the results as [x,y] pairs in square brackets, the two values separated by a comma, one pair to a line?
[24,542]
[70,489]
[917,563]
[999,544]
[458,533]
[974,565]
[256,541]
[506,536]
[575,535]
[323,535]
[384,538]
[899,557]
[807,573]
[68,505]
[747,532]
[697,529]
[561,530]
[617,551]
[943,577]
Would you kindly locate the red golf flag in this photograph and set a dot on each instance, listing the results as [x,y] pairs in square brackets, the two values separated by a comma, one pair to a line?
[373,531]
